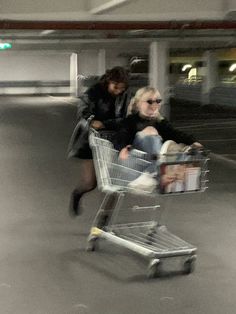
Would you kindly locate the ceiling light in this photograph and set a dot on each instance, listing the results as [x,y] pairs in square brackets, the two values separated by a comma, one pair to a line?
[186,66]
[232,67]
[47,32]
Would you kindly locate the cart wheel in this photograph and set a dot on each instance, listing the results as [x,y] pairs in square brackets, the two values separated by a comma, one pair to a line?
[153,268]
[92,244]
[189,265]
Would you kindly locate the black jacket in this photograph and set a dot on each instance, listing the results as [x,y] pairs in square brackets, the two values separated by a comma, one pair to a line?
[134,123]
[105,108]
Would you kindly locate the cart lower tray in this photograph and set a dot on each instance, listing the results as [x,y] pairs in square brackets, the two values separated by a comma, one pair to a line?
[159,240]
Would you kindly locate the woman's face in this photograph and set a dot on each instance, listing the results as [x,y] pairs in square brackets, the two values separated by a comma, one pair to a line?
[115,88]
[149,104]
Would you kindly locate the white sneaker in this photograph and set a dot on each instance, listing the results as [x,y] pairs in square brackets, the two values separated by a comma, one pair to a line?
[144,183]
[171,147]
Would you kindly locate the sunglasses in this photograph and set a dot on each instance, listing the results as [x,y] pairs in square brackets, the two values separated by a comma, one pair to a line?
[150,101]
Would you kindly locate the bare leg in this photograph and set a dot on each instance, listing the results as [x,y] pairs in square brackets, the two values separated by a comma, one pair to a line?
[87,179]
[87,182]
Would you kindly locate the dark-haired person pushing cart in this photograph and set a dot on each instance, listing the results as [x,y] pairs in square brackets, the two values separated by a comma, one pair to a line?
[107,102]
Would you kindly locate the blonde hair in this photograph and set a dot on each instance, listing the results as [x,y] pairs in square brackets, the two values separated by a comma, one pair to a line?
[132,108]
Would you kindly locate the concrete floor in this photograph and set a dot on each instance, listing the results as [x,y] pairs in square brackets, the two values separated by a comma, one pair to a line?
[44,268]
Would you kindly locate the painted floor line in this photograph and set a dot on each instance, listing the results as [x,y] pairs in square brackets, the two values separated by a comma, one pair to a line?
[218,140]
[207,126]
[206,122]
[222,158]
[63,100]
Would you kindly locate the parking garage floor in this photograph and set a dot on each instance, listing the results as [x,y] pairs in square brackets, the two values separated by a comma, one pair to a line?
[44,266]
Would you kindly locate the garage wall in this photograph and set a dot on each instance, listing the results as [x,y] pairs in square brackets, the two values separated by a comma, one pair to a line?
[26,66]
[34,72]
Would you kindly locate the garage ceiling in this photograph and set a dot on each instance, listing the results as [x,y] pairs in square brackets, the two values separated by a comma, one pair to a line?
[130,25]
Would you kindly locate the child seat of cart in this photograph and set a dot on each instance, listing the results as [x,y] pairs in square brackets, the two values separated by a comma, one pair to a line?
[114,174]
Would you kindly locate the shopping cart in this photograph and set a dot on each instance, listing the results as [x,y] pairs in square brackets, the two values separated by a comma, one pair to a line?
[137,233]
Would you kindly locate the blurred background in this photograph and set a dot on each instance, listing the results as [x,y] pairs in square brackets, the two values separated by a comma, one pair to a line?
[185,48]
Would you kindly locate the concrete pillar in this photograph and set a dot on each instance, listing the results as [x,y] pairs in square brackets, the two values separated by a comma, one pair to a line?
[159,72]
[74,74]
[90,63]
[211,77]
[101,61]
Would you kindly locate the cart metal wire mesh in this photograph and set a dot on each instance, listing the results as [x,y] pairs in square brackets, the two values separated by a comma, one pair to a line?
[146,237]
[114,174]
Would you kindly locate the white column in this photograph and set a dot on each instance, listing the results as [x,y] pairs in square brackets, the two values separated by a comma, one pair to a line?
[211,77]
[159,71]
[101,61]
[74,74]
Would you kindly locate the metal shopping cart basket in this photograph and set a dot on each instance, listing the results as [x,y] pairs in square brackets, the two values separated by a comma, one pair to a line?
[143,236]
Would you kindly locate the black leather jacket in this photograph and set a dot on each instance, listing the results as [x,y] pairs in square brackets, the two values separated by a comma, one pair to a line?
[106,108]
[134,123]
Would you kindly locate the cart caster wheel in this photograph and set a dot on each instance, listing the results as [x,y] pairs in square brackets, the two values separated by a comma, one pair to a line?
[92,245]
[154,268]
[189,265]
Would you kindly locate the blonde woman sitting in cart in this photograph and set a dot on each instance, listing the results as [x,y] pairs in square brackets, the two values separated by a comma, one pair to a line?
[147,130]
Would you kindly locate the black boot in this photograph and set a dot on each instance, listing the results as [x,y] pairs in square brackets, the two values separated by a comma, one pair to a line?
[74,207]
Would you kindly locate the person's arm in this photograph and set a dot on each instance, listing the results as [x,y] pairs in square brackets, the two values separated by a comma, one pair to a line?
[122,138]
[125,136]
[168,132]
[124,153]
[121,106]
[113,124]
[86,107]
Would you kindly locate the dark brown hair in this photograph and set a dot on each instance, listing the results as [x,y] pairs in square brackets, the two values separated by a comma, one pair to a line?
[116,74]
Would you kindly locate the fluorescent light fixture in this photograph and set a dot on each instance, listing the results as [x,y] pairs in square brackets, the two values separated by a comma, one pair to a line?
[136,31]
[47,32]
[232,67]
[108,5]
[186,66]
